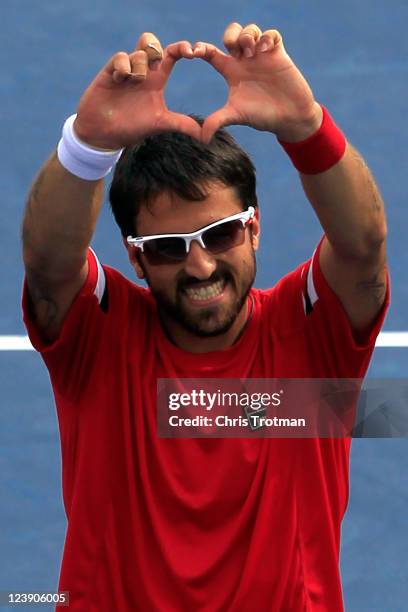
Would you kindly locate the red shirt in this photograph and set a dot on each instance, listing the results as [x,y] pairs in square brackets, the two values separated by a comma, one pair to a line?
[203,525]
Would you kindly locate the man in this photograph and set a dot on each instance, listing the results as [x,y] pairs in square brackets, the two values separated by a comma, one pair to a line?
[197,524]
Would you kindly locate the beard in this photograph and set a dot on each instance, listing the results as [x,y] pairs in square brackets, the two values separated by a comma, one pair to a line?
[212,321]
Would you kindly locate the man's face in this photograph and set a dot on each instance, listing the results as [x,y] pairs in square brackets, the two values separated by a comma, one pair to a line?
[204,293]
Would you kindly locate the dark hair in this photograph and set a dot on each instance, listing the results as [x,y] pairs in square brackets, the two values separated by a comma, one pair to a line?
[175,162]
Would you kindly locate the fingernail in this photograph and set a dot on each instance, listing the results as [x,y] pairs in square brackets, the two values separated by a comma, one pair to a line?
[135,75]
[151,46]
[263,47]
[248,52]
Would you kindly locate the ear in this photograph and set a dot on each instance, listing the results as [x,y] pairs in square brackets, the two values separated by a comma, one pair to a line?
[255,230]
[134,254]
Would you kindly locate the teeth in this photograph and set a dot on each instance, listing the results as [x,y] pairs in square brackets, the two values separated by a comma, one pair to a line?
[205,293]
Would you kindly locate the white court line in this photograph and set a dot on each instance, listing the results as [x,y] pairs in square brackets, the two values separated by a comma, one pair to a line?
[392,340]
[384,340]
[15,343]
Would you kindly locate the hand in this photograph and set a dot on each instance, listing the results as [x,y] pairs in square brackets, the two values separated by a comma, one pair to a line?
[266,90]
[125,102]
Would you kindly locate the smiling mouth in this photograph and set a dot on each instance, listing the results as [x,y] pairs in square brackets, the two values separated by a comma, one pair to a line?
[205,292]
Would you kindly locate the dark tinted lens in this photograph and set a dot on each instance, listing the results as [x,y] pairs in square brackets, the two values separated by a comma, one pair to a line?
[224,236]
[161,249]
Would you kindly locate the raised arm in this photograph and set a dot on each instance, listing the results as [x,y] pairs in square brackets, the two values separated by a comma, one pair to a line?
[124,104]
[268,92]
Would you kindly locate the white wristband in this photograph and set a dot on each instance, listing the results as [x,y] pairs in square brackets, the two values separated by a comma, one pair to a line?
[81,159]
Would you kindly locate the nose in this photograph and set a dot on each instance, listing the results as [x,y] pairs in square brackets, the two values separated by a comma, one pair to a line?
[199,262]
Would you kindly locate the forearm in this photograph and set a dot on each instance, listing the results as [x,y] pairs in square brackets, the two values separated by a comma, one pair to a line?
[59,221]
[349,207]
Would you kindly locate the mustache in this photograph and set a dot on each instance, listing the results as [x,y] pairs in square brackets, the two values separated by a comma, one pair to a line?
[220,274]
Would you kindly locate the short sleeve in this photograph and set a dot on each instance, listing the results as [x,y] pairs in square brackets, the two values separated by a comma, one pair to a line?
[328,304]
[68,358]
[328,323]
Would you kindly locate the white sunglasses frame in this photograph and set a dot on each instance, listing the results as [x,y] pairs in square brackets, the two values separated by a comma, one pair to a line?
[245,216]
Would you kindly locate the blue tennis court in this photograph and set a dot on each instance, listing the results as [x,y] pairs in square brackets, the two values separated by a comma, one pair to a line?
[355,56]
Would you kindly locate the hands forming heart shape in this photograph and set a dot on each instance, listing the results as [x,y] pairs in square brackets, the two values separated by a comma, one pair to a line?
[125,102]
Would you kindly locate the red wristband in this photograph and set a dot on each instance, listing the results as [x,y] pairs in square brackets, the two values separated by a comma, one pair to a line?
[320,151]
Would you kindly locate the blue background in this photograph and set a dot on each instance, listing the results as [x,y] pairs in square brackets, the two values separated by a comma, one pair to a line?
[354,55]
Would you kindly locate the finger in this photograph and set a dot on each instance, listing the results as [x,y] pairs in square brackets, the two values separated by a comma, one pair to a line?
[248,38]
[149,43]
[221,118]
[138,65]
[230,39]
[174,52]
[182,123]
[212,55]
[119,67]
[269,40]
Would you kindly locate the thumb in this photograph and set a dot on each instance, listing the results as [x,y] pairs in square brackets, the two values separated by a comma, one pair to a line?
[178,122]
[222,117]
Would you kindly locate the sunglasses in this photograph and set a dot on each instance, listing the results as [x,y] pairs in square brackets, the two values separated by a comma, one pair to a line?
[216,238]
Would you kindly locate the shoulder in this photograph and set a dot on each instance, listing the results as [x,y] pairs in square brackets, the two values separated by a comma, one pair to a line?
[113,281]
[287,304]
[115,292]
